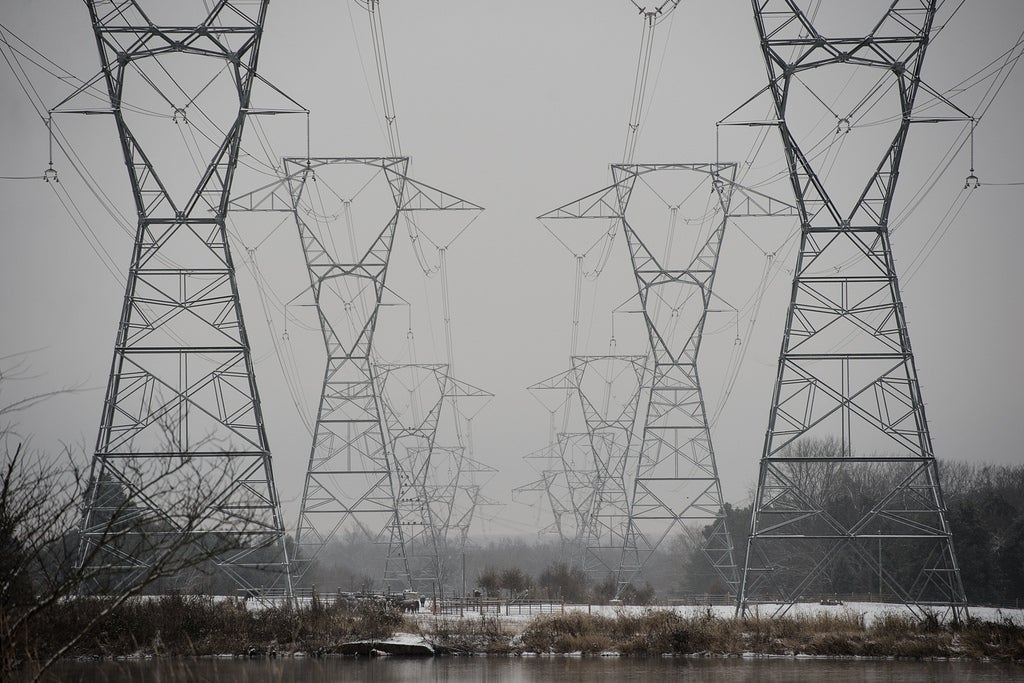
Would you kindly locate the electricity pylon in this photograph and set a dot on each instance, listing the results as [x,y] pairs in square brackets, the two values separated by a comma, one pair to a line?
[355,481]
[567,484]
[846,375]
[672,479]
[182,467]
[427,480]
[608,389]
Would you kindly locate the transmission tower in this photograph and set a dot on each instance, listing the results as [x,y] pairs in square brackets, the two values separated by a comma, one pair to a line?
[566,485]
[672,480]
[182,468]
[458,478]
[356,482]
[427,481]
[453,496]
[846,374]
[608,389]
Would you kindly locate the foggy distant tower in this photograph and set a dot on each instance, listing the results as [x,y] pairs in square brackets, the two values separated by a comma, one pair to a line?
[413,396]
[847,408]
[355,482]
[182,468]
[567,485]
[677,484]
[672,478]
[608,389]
[610,421]
[451,498]
[455,479]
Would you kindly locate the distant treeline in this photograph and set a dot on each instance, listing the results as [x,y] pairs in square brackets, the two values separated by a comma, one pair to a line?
[985,510]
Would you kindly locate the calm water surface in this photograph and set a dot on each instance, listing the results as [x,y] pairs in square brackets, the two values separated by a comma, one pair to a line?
[529,669]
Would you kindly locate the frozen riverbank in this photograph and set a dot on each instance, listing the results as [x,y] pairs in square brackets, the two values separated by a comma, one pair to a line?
[191,626]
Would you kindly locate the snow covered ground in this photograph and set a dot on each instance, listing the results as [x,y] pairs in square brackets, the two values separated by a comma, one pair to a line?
[869,610]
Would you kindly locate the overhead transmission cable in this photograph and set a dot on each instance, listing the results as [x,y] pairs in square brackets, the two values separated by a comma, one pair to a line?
[45,64]
[416,238]
[637,113]
[605,242]
[289,369]
[76,215]
[1009,60]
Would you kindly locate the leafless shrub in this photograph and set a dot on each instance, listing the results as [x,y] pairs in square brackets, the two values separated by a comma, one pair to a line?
[43,571]
[467,636]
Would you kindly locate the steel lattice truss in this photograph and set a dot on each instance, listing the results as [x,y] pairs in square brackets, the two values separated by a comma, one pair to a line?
[182,468]
[600,492]
[672,482]
[567,484]
[428,475]
[369,467]
[846,372]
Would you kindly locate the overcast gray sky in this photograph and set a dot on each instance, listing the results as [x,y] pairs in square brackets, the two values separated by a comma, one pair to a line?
[520,107]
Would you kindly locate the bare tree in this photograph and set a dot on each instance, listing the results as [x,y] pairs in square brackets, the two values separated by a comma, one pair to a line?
[41,568]
[490,581]
[516,581]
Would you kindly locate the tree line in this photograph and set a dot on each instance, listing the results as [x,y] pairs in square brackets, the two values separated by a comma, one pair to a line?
[984,509]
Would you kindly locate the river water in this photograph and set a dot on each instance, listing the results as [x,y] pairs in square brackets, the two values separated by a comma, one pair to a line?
[530,669]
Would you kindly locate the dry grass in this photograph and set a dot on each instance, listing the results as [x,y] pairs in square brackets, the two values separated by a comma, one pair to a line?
[186,625]
[837,635]
[647,633]
[179,625]
[998,640]
[486,634]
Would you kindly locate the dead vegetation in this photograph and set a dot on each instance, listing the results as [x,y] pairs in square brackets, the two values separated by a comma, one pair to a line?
[196,625]
[183,626]
[657,632]
[463,636]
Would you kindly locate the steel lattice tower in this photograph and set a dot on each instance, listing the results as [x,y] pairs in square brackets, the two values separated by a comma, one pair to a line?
[602,507]
[568,483]
[672,481]
[182,468]
[846,374]
[418,535]
[356,481]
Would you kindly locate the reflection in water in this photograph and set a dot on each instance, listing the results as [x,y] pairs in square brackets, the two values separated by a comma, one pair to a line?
[530,669]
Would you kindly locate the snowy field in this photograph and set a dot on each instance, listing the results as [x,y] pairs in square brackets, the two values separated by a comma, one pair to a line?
[869,610]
